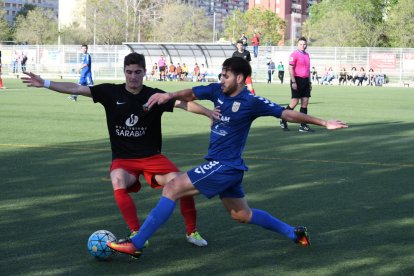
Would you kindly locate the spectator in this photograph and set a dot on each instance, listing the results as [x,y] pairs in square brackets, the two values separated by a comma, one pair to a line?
[371,77]
[281,72]
[23,62]
[179,72]
[353,75]
[314,75]
[361,76]
[162,67]
[154,72]
[184,73]
[243,39]
[380,79]
[343,76]
[171,72]
[196,72]
[203,73]
[255,43]
[329,77]
[270,70]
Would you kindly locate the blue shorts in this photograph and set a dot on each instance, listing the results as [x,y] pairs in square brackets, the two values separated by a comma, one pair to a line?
[213,178]
[86,80]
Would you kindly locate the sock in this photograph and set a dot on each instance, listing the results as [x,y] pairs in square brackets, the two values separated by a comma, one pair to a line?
[128,210]
[158,216]
[189,213]
[303,110]
[267,221]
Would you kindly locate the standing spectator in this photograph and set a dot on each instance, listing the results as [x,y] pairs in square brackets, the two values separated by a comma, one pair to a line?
[301,86]
[343,76]
[244,54]
[371,77]
[135,137]
[314,75]
[255,43]
[162,64]
[15,62]
[281,72]
[85,70]
[243,38]
[361,76]
[23,62]
[270,70]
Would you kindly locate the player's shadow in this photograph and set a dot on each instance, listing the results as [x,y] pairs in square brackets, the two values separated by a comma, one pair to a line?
[352,187]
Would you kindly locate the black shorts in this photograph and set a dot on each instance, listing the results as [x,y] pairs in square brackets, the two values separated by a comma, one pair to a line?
[304,88]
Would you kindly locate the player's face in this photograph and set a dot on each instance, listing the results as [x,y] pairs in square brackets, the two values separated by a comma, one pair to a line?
[84,49]
[134,76]
[228,80]
[240,47]
[302,45]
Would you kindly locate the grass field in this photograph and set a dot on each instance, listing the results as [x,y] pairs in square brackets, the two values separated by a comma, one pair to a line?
[352,187]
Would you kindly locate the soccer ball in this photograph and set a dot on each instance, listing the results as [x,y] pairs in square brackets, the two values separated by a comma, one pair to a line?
[97,244]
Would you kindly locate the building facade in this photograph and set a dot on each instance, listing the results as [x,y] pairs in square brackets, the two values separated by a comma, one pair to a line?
[12,7]
[293,12]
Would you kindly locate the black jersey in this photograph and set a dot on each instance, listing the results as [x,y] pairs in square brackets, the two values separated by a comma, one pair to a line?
[245,55]
[133,131]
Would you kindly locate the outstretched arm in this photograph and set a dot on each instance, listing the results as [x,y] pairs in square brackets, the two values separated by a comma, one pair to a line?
[297,117]
[33,80]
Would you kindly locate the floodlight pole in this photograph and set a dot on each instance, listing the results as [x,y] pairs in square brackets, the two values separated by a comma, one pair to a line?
[214,26]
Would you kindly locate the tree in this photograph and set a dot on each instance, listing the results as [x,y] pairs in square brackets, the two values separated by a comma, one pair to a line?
[347,23]
[5,30]
[265,22]
[38,27]
[182,23]
[400,24]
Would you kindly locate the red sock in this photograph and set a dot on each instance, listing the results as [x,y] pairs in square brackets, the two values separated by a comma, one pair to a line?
[127,207]
[189,213]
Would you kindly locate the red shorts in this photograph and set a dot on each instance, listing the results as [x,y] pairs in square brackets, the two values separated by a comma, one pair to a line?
[149,167]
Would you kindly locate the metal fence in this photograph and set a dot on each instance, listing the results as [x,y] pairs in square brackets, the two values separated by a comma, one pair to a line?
[62,61]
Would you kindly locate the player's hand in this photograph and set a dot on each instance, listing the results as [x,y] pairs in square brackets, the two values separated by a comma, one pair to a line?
[32,80]
[294,86]
[335,124]
[215,115]
[158,98]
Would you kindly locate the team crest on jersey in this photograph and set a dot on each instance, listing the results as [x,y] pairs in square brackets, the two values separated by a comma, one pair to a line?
[132,120]
[235,107]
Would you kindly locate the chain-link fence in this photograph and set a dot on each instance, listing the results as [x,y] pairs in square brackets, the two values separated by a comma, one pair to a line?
[64,60]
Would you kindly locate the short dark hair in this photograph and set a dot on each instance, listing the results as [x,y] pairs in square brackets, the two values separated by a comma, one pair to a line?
[302,38]
[238,66]
[134,58]
[239,41]
[84,45]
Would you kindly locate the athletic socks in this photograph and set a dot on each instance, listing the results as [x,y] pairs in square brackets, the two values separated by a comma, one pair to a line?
[267,221]
[189,213]
[128,209]
[158,216]
[303,110]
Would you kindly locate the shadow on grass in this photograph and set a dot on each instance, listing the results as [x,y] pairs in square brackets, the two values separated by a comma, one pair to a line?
[353,188]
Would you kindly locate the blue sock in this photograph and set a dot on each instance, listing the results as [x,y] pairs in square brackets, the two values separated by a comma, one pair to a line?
[158,216]
[271,223]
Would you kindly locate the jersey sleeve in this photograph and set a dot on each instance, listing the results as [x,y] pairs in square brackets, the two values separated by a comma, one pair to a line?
[265,107]
[292,59]
[99,93]
[207,92]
